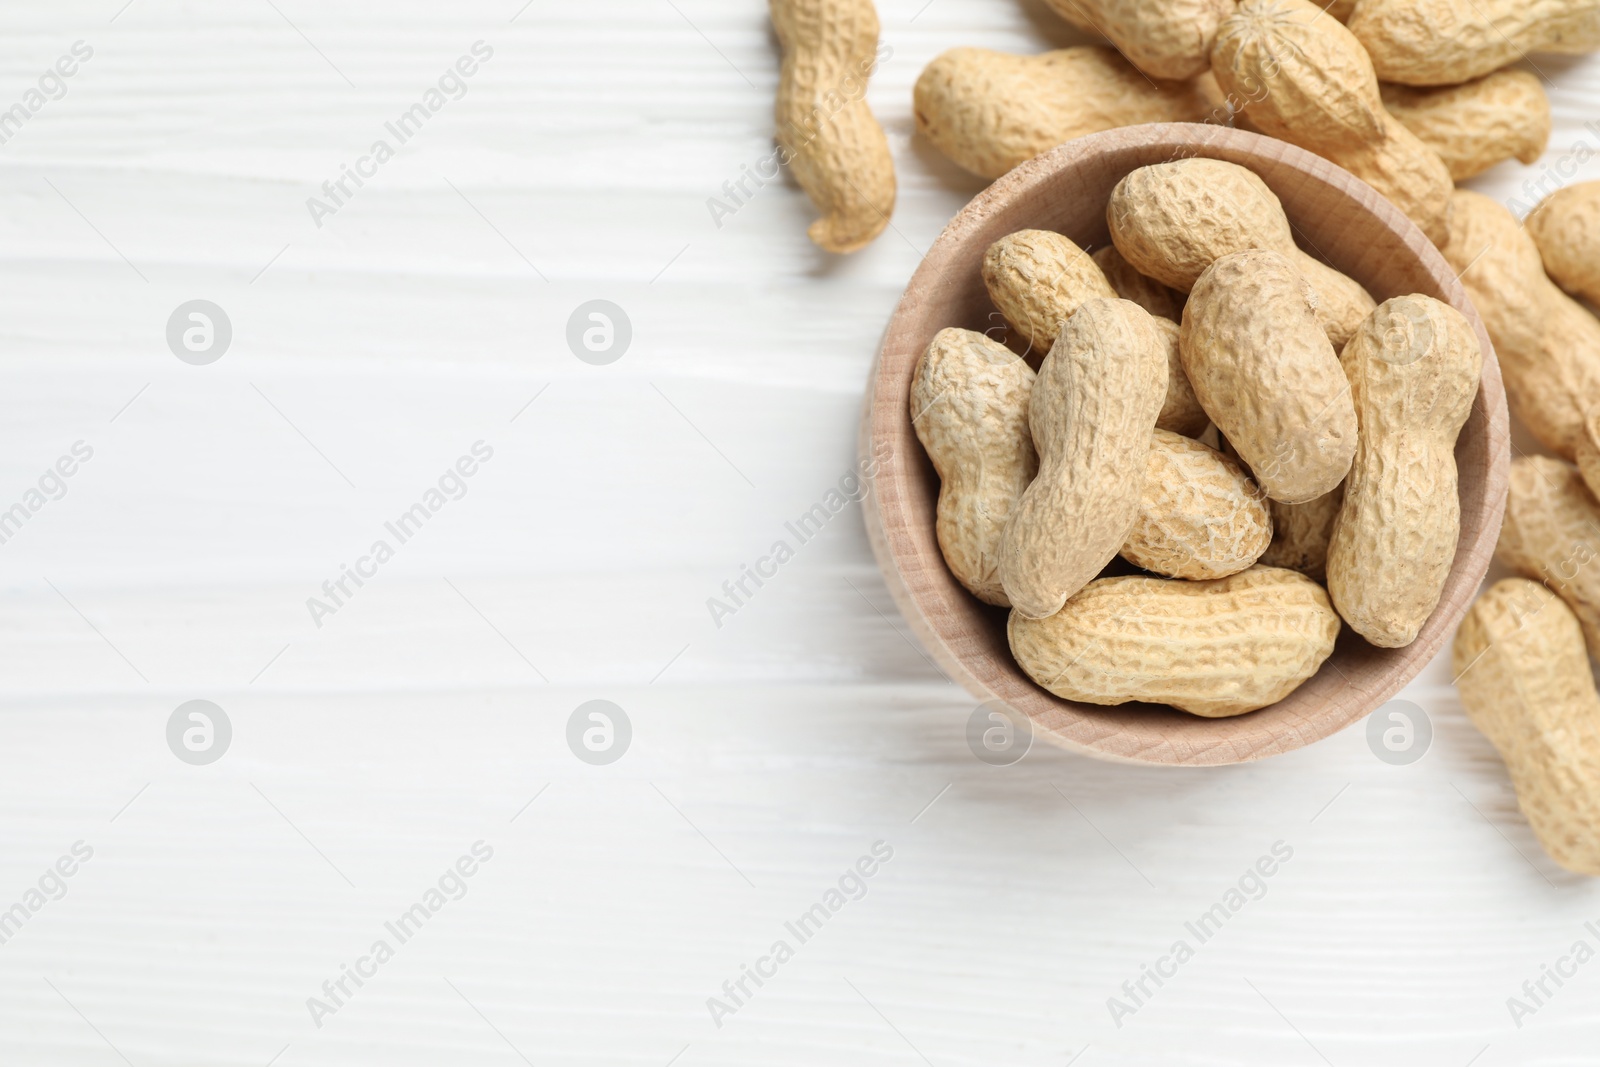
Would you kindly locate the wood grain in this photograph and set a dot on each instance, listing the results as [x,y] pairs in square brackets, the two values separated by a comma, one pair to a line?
[1336,218]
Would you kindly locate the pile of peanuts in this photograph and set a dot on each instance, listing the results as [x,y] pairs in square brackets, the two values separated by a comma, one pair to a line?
[1047,476]
[1331,494]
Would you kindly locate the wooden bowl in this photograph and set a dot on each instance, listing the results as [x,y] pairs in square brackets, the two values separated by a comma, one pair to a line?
[1336,217]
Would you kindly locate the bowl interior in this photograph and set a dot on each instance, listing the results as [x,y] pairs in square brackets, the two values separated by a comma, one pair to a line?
[1336,218]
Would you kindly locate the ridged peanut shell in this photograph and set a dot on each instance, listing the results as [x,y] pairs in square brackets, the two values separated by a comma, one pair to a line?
[1525,683]
[1266,374]
[969,406]
[836,149]
[1588,452]
[1565,227]
[1173,220]
[1301,532]
[1092,411]
[1037,279]
[1215,648]
[1180,411]
[1445,42]
[1547,343]
[1551,534]
[1307,80]
[1413,370]
[988,111]
[1164,38]
[1473,126]
[1143,290]
[1200,515]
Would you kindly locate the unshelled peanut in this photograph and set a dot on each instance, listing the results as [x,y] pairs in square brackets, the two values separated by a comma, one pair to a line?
[989,111]
[1588,451]
[1473,126]
[1551,534]
[1301,532]
[1413,370]
[1307,80]
[1524,681]
[1566,228]
[1265,372]
[1173,220]
[1038,278]
[835,147]
[1548,345]
[1145,291]
[1164,38]
[1200,516]
[969,407]
[1213,648]
[1445,42]
[1092,413]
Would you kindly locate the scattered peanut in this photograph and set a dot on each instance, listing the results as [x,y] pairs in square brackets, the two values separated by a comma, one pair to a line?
[1475,125]
[1524,681]
[1566,228]
[1200,515]
[1173,220]
[1148,293]
[989,111]
[1214,648]
[1445,42]
[1548,344]
[1163,38]
[969,406]
[1038,278]
[1413,370]
[837,149]
[1308,81]
[1552,534]
[1266,374]
[1092,411]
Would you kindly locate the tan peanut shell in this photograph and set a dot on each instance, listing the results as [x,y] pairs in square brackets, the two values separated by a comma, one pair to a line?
[1548,345]
[1173,220]
[1180,411]
[1164,38]
[1092,411]
[989,111]
[1037,279]
[1214,648]
[1307,80]
[1525,683]
[1473,126]
[1301,532]
[1445,42]
[1552,534]
[1129,284]
[1267,375]
[969,406]
[1413,370]
[1566,228]
[1342,9]
[1200,515]
[1588,451]
[836,148]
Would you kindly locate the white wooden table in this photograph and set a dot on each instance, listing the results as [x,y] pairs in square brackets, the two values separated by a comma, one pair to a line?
[375,742]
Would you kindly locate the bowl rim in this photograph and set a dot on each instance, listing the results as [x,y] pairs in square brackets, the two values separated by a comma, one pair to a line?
[890,455]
